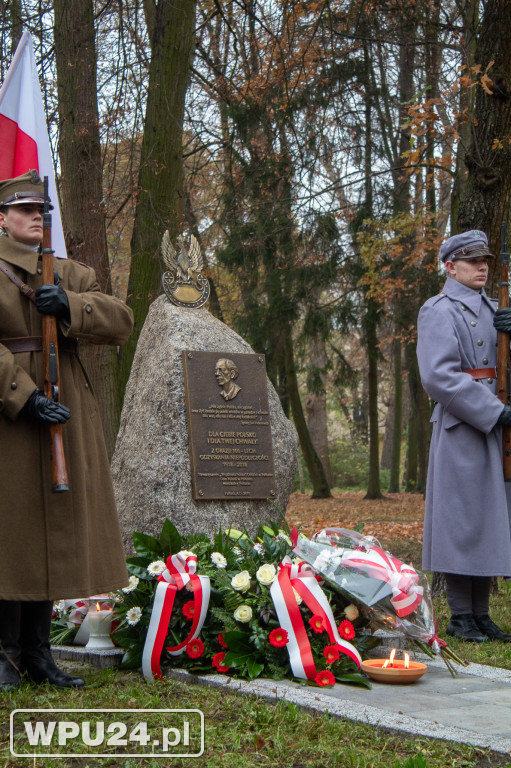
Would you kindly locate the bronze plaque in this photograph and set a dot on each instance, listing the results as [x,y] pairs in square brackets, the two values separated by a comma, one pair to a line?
[228,426]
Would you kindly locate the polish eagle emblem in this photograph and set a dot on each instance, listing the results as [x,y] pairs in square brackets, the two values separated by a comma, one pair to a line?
[183,282]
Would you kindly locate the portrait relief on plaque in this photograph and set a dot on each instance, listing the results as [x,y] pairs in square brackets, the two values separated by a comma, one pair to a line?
[229,430]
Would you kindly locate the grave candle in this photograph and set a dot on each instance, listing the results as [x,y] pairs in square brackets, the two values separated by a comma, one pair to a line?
[394,671]
[100,625]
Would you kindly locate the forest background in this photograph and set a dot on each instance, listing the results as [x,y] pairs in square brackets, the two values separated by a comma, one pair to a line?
[320,151]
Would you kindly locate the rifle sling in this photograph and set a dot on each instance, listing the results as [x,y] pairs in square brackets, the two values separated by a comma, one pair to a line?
[24,288]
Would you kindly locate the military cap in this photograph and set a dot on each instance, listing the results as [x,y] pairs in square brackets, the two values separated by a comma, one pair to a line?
[466,245]
[27,188]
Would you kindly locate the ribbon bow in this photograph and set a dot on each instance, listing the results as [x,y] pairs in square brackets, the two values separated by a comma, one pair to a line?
[303,579]
[180,571]
[406,593]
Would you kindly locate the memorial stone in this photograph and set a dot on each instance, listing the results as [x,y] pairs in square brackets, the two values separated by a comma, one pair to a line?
[151,468]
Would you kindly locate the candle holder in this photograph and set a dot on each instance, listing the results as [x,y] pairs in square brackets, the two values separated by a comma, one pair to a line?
[394,671]
[100,626]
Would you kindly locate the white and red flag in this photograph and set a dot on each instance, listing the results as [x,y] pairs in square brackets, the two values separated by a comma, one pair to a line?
[24,142]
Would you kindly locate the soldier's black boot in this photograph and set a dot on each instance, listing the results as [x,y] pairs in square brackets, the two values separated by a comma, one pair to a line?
[488,628]
[36,658]
[10,652]
[464,627]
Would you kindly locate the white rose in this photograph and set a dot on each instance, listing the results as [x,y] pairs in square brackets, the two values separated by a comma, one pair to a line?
[156,567]
[241,582]
[351,612]
[132,584]
[218,559]
[243,613]
[266,573]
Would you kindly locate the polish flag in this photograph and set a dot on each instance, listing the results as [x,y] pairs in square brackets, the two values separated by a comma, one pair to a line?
[24,138]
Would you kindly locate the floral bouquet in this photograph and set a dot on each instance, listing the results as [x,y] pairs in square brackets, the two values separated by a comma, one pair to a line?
[237,606]
[391,593]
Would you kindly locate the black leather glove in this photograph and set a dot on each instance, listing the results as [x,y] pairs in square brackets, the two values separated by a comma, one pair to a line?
[505,416]
[41,408]
[52,300]
[502,320]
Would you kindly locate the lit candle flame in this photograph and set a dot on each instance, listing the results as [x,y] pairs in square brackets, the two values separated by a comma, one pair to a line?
[391,657]
[385,664]
[407,661]
[98,607]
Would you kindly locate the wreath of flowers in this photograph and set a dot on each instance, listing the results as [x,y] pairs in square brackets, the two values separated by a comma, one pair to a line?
[241,635]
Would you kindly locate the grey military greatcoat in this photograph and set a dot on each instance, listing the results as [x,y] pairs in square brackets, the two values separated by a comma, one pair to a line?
[467,523]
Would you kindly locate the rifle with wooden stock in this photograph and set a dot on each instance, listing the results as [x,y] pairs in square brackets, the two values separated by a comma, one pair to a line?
[51,357]
[503,354]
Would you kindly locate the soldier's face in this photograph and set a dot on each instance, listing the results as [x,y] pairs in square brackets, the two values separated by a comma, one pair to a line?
[23,223]
[470,272]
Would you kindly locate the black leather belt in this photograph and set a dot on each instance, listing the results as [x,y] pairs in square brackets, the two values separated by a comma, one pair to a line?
[35,344]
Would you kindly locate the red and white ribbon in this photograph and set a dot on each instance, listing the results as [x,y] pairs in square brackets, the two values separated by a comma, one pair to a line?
[303,579]
[180,573]
[406,592]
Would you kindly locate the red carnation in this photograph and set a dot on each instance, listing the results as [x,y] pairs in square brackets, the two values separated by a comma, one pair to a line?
[195,648]
[216,662]
[278,637]
[325,678]
[346,630]
[189,609]
[222,641]
[331,653]
[316,624]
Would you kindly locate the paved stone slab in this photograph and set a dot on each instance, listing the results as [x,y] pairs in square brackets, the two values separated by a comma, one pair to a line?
[472,708]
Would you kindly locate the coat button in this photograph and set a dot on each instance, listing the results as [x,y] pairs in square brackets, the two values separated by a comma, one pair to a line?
[88,308]
[39,271]
[473,323]
[485,360]
[463,306]
[14,385]
[490,381]
[480,342]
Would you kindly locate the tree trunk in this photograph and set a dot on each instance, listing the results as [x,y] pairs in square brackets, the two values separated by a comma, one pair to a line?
[316,408]
[488,192]
[81,182]
[159,204]
[395,470]
[320,488]
[371,322]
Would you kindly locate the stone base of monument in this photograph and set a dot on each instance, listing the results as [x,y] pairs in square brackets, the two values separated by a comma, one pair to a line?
[388,641]
[102,659]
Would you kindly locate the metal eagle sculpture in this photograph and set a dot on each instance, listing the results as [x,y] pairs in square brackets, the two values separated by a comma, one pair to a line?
[183,283]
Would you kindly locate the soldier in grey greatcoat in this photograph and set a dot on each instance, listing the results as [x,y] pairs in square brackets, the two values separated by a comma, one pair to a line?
[467,523]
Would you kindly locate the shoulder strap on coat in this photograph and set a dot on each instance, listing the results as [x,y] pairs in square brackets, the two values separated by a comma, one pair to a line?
[24,288]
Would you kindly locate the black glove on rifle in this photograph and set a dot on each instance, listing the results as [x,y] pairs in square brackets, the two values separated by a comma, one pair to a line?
[52,300]
[502,320]
[40,407]
[505,416]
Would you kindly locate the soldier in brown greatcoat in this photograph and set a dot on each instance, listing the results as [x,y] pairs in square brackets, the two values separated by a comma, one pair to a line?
[53,545]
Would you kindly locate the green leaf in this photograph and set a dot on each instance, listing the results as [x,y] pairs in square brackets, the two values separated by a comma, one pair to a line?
[137,566]
[170,538]
[237,641]
[254,667]
[147,546]
[132,658]
[353,677]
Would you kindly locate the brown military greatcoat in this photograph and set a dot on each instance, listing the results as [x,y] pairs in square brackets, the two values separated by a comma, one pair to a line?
[55,545]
